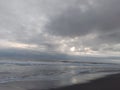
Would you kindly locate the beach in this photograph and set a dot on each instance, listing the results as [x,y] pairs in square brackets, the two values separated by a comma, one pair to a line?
[59,76]
[110,82]
[59,44]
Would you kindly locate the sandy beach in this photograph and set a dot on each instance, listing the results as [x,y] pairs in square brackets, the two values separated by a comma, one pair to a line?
[111,82]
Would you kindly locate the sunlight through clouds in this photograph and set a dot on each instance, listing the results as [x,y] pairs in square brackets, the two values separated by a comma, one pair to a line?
[72,27]
[16,45]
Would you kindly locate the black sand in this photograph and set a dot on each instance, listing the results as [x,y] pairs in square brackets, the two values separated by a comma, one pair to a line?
[111,82]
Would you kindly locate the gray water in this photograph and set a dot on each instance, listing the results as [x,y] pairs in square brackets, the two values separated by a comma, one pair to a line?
[60,72]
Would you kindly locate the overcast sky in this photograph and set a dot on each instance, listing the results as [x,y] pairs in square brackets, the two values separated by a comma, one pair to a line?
[70,27]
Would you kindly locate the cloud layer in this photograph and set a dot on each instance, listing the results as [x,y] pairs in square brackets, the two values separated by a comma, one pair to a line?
[89,26]
[81,19]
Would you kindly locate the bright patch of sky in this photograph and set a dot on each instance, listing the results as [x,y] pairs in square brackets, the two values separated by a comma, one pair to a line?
[72,27]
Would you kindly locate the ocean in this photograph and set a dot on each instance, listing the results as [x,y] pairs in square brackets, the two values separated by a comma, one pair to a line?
[56,73]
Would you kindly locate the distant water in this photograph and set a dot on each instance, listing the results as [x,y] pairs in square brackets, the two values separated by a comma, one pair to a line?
[62,72]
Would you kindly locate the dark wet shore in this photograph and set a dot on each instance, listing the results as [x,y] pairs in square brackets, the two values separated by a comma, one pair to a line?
[111,82]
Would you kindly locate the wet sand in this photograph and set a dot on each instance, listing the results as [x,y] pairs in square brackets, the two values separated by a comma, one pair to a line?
[111,82]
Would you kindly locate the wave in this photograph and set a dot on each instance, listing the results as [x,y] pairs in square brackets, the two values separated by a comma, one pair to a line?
[60,70]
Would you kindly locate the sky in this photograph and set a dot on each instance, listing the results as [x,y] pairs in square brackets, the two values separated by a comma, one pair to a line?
[60,27]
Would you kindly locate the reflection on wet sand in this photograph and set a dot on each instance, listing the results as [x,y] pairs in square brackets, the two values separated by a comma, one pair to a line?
[47,75]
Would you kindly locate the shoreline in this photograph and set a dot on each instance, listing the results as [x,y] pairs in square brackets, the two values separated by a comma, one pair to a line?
[109,82]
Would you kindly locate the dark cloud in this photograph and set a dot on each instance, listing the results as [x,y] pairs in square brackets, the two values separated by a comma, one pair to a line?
[22,54]
[72,22]
[110,38]
[50,25]
[102,18]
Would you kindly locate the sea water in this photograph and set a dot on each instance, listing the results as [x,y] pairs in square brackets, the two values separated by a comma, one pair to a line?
[60,71]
